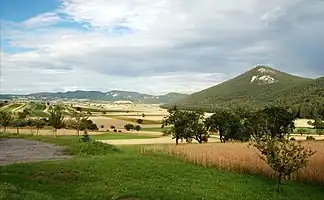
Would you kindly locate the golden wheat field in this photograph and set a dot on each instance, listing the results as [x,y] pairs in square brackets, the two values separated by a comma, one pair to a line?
[239,157]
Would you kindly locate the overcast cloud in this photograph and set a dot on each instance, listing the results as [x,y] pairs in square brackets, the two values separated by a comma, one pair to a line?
[159,46]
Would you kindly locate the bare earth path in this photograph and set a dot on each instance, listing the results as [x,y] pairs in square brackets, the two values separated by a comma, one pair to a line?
[161,140]
[20,150]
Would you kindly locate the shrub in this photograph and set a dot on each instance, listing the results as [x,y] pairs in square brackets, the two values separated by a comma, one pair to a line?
[120,131]
[310,123]
[107,130]
[129,127]
[102,126]
[284,157]
[91,148]
[139,121]
[85,137]
[115,130]
[302,131]
[292,139]
[138,128]
[320,132]
[310,138]
[112,127]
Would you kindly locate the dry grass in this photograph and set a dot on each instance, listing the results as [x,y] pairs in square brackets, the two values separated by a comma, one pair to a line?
[239,157]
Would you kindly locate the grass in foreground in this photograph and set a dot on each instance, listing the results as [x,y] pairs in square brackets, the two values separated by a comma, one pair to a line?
[129,175]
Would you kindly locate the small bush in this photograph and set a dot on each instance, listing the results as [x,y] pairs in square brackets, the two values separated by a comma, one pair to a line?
[115,130]
[320,132]
[139,121]
[310,138]
[120,131]
[112,127]
[292,139]
[102,126]
[137,128]
[85,137]
[107,130]
[129,127]
[302,131]
[92,148]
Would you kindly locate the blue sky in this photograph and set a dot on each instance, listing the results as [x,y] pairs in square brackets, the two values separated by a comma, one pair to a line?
[60,45]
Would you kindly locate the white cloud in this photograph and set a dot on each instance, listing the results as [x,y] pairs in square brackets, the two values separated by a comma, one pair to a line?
[138,40]
[42,20]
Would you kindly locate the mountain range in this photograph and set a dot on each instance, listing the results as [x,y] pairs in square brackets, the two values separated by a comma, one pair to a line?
[114,95]
[259,87]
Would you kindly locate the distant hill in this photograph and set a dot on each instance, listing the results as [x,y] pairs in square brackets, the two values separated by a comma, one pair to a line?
[257,87]
[113,95]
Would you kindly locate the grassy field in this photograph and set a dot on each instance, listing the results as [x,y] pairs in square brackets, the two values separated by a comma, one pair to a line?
[134,120]
[129,175]
[155,129]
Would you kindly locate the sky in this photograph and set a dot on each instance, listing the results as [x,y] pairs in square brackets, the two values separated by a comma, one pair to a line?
[154,47]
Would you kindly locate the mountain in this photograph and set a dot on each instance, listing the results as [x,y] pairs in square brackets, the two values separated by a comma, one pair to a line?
[257,87]
[114,95]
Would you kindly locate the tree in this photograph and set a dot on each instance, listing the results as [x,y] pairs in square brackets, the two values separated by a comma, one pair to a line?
[79,118]
[318,124]
[56,119]
[178,121]
[196,128]
[320,132]
[5,119]
[283,156]
[139,121]
[137,127]
[129,127]
[223,122]
[18,123]
[39,123]
[278,122]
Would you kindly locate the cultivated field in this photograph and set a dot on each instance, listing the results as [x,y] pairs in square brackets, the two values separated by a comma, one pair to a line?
[239,157]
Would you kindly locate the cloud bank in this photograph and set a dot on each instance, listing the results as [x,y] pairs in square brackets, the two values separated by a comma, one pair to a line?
[159,46]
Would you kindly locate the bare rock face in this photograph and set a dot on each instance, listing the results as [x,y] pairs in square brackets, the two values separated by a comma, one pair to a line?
[264,77]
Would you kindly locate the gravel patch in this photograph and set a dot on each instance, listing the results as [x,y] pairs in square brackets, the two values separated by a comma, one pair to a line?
[20,150]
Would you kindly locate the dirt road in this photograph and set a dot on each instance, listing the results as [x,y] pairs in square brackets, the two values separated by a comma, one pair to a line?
[20,150]
[161,140]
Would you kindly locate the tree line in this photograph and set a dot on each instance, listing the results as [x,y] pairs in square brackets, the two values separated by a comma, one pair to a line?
[79,120]
[236,124]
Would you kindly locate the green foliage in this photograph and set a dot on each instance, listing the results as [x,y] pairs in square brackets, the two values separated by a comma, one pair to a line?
[318,124]
[186,125]
[137,127]
[56,118]
[283,156]
[320,132]
[129,127]
[39,123]
[302,131]
[5,119]
[85,137]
